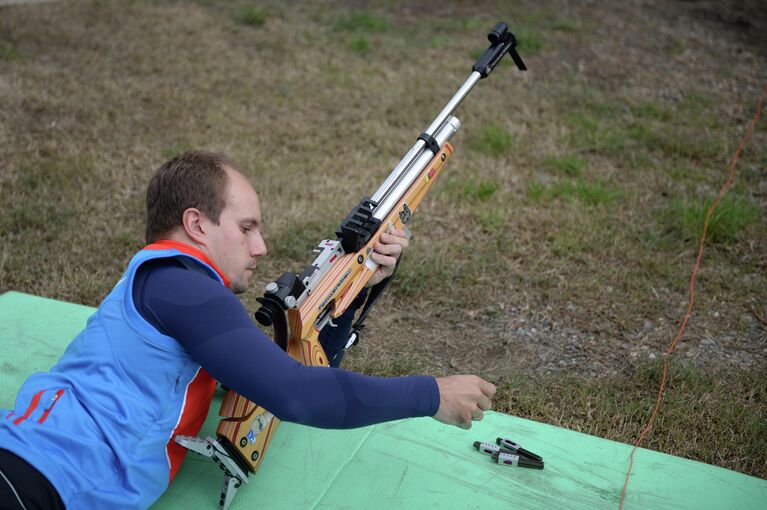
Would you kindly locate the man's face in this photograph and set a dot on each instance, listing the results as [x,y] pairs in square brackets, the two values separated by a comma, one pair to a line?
[236,242]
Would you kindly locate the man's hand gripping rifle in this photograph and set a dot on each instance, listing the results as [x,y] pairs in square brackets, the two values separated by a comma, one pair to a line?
[299,305]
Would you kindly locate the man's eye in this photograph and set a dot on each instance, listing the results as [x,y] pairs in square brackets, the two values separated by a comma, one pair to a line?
[245,230]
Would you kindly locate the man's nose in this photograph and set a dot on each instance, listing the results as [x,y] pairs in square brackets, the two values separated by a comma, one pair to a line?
[258,246]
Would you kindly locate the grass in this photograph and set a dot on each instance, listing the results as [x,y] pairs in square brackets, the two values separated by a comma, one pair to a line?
[492,220]
[172,151]
[566,244]
[296,239]
[595,132]
[688,129]
[733,214]
[360,44]
[427,271]
[481,190]
[590,193]
[363,22]
[529,41]
[571,165]
[569,204]
[10,52]
[565,25]
[493,140]
[252,15]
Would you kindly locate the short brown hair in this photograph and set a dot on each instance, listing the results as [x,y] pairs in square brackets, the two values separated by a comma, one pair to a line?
[193,179]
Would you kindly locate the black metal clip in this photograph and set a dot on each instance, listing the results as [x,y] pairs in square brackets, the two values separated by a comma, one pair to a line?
[509,453]
[508,444]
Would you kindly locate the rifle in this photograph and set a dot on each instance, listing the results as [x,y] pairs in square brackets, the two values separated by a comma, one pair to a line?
[299,305]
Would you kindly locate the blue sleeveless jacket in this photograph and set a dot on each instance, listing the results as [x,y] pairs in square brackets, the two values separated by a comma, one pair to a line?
[100,424]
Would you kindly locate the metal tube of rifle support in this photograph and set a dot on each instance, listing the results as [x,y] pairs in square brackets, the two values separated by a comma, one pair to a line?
[394,194]
[398,171]
[459,96]
[415,152]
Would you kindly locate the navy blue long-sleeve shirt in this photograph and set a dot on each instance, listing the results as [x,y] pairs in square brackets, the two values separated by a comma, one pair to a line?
[211,323]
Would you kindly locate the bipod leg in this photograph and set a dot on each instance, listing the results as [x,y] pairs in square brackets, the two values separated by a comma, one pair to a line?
[231,484]
[234,476]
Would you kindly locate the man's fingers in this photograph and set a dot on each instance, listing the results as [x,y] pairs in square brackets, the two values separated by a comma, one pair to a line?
[487,388]
[383,260]
[395,232]
[385,253]
[463,399]
[388,249]
[395,237]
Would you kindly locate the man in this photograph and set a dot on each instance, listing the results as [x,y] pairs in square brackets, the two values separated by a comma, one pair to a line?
[97,430]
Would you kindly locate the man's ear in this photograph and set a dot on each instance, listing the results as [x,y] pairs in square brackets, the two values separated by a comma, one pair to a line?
[192,221]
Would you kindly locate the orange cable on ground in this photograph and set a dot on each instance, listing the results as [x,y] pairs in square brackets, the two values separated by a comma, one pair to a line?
[687,316]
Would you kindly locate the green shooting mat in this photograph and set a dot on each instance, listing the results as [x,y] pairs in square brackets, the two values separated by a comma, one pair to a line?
[414,464]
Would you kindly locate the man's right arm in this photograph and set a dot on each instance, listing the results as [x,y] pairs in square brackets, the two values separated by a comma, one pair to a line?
[211,323]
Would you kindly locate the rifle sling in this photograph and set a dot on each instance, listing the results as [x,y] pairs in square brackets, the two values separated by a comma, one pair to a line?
[281,330]
[372,297]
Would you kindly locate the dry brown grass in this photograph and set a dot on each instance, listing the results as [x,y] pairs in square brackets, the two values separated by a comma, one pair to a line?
[522,267]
